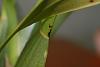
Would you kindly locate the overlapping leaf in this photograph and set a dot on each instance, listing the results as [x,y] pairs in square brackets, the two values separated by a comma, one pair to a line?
[11,23]
[51,7]
[39,43]
[34,54]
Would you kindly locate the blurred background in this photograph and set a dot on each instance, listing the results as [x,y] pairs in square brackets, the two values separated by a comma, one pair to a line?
[73,44]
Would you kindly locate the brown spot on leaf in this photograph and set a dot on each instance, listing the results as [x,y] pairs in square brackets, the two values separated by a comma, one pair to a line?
[91,0]
[50,27]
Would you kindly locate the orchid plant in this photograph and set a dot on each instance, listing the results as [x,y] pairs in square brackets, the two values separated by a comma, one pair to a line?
[25,43]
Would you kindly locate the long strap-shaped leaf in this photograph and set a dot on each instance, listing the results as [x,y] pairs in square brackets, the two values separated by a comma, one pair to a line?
[28,18]
[34,54]
[72,5]
[52,7]
[3,32]
[11,22]
[3,25]
[48,8]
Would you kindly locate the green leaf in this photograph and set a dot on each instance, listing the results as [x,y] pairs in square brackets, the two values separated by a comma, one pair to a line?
[35,14]
[39,43]
[3,33]
[48,8]
[11,23]
[2,59]
[53,7]
[3,25]
[72,5]
[26,21]
[33,54]
[35,51]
